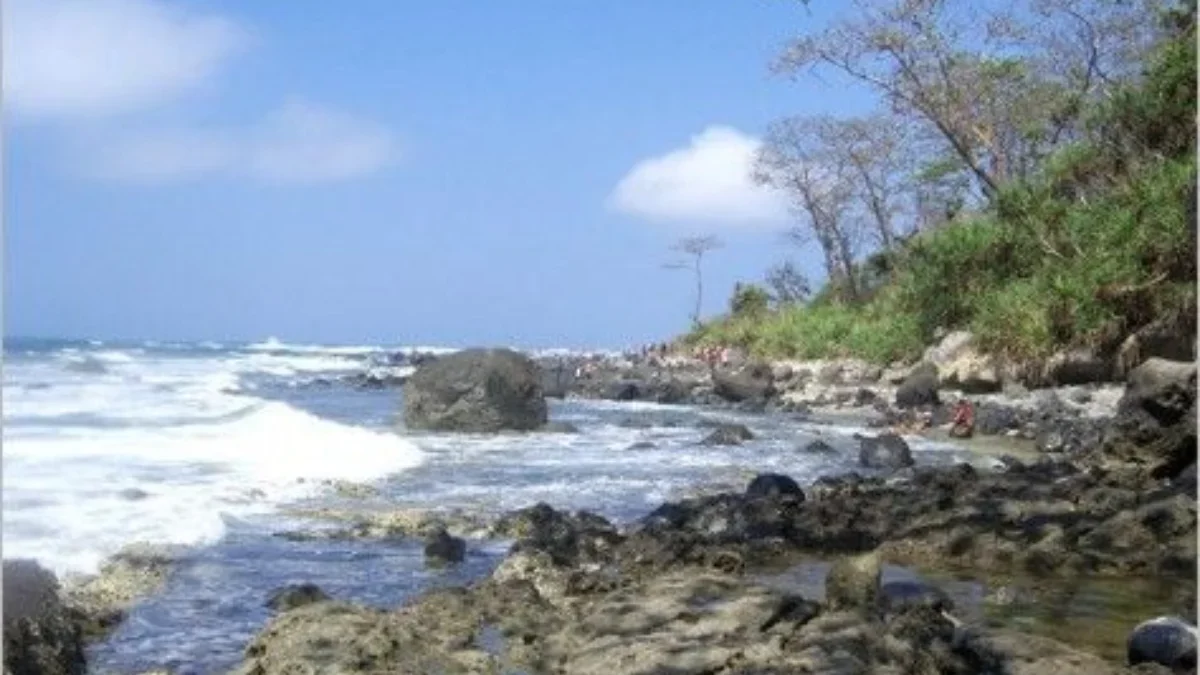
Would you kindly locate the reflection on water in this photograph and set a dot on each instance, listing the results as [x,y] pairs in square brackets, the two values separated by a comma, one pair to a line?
[1089,613]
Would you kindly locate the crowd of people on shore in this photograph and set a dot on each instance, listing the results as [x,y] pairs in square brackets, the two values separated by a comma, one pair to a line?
[656,354]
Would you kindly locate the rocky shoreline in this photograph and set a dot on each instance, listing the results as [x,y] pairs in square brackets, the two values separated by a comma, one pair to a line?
[1111,493]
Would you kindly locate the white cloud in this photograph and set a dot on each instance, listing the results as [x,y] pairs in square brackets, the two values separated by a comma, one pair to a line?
[298,143]
[88,58]
[706,183]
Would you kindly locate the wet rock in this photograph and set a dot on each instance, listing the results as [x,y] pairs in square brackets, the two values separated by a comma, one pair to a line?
[337,637]
[387,524]
[1167,641]
[1155,426]
[819,447]
[476,390]
[567,538]
[752,384]
[1013,653]
[728,434]
[351,490]
[726,518]
[1078,366]
[295,595]
[853,583]
[992,419]
[886,451]
[442,548]
[625,391]
[41,635]
[920,388]
[104,600]
[774,485]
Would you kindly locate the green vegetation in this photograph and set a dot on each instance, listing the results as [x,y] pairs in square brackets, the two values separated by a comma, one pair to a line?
[1091,242]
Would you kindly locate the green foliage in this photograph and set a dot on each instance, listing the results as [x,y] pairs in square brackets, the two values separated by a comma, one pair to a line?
[748,300]
[1096,244]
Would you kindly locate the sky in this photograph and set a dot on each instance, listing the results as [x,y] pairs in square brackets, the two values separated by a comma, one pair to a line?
[454,172]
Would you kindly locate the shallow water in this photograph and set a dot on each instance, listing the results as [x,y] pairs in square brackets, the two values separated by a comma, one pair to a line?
[1094,614]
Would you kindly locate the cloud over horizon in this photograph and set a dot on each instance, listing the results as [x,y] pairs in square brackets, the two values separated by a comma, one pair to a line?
[86,68]
[706,183]
[68,59]
[297,143]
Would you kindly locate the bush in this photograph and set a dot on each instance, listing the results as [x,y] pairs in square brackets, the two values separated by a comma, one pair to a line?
[748,300]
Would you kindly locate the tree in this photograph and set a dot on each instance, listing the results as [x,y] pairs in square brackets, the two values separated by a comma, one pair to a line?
[788,285]
[875,151]
[694,248]
[795,158]
[999,84]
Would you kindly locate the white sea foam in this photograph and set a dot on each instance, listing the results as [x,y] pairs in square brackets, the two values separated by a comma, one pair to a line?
[160,449]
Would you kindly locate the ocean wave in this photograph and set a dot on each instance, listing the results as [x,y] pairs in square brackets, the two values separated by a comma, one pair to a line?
[65,494]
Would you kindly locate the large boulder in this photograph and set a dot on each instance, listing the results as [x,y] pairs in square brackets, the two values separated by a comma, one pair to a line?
[41,636]
[1077,366]
[886,451]
[1155,425]
[1167,641]
[920,387]
[752,384]
[476,390]
[961,366]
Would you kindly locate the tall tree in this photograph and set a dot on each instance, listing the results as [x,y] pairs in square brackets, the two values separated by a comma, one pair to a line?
[694,248]
[1000,84]
[795,158]
[875,151]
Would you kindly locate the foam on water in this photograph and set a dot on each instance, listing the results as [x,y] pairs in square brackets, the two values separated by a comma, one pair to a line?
[163,448]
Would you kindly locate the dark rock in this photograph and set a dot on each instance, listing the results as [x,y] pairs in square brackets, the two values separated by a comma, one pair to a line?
[672,391]
[728,434]
[819,447]
[753,384]
[920,388]
[900,596]
[1155,425]
[865,397]
[625,391]
[992,419]
[476,390]
[41,636]
[774,485]
[558,377]
[1050,441]
[1186,480]
[886,451]
[1167,641]
[727,518]
[793,609]
[441,548]
[642,445]
[1078,366]
[295,595]
[565,538]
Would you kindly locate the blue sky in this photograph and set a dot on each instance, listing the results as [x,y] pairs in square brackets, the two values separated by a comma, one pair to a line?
[446,172]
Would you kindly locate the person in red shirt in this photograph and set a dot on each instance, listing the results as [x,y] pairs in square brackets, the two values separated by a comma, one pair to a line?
[963,425]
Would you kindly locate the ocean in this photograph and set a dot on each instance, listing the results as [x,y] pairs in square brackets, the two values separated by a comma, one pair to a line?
[210,447]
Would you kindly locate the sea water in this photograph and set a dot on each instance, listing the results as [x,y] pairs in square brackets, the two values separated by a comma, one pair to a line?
[208,446]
